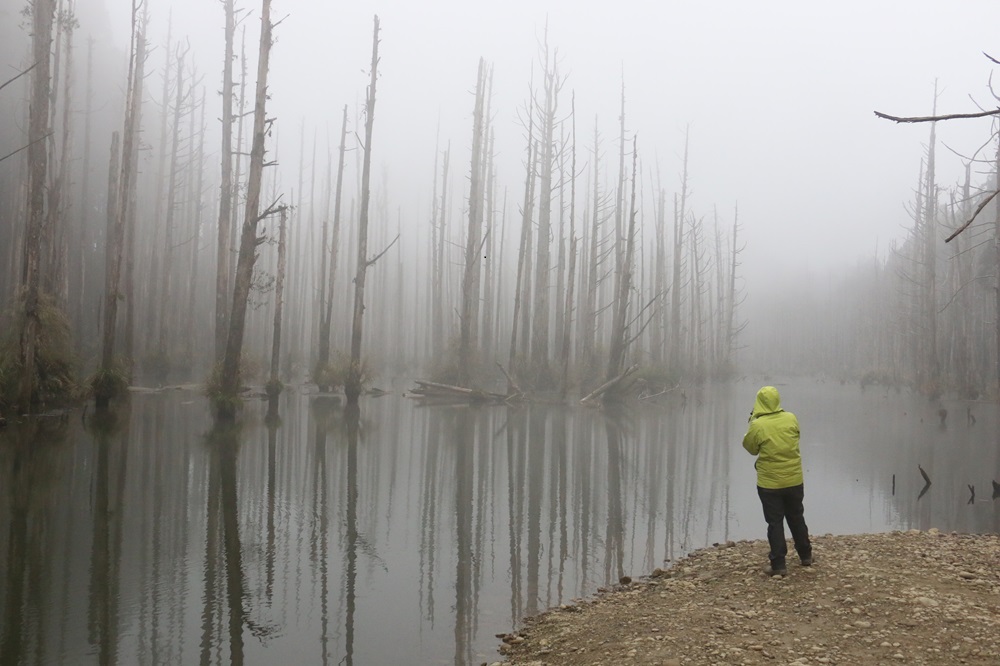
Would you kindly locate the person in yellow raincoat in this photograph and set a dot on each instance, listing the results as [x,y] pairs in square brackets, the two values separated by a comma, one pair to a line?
[773,436]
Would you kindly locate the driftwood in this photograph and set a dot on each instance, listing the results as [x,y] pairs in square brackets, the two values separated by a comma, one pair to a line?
[446,392]
[927,482]
[608,385]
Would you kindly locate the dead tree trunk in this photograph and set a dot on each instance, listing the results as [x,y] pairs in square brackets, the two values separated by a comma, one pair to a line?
[59,191]
[543,260]
[676,295]
[128,346]
[660,277]
[195,192]
[439,263]
[115,242]
[153,296]
[731,328]
[468,319]
[590,316]
[490,264]
[79,279]
[327,314]
[274,384]
[571,271]
[168,249]
[522,253]
[352,387]
[230,380]
[619,330]
[225,189]
[42,12]
[930,362]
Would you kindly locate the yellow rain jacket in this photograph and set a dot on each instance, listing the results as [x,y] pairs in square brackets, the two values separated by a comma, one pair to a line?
[773,436]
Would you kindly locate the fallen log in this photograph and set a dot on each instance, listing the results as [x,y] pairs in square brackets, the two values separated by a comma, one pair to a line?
[435,390]
[608,385]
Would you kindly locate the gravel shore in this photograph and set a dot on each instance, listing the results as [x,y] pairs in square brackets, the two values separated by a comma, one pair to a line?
[895,598]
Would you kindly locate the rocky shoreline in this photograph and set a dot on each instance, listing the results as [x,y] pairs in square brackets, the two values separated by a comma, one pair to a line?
[901,597]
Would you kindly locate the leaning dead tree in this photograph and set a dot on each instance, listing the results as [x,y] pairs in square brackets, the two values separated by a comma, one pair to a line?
[229,382]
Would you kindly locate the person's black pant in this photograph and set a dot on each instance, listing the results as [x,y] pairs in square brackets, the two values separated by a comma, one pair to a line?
[781,504]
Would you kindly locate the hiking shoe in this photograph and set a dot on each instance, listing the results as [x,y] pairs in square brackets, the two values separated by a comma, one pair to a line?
[807,561]
[775,571]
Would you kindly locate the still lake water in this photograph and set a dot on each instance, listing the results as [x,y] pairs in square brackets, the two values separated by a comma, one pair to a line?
[414,534]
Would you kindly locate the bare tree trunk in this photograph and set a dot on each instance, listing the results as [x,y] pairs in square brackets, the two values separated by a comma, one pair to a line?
[590,318]
[57,273]
[195,192]
[327,313]
[126,183]
[488,343]
[114,175]
[79,280]
[128,346]
[42,12]
[230,380]
[730,327]
[468,319]
[274,385]
[571,271]
[619,331]
[238,155]
[225,189]
[523,247]
[153,296]
[660,277]
[439,271]
[543,261]
[163,352]
[352,388]
[676,297]
[929,243]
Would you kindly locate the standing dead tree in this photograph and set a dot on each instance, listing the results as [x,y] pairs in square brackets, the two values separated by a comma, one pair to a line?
[355,374]
[619,327]
[982,205]
[571,272]
[229,382]
[108,381]
[42,12]
[468,319]
[225,188]
[274,383]
[552,83]
[327,313]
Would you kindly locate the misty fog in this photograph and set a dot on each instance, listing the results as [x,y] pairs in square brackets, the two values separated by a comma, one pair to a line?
[772,108]
[549,247]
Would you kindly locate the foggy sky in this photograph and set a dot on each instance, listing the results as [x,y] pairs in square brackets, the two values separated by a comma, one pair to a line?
[778,96]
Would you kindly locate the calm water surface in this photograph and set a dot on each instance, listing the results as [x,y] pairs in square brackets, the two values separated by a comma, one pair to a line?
[414,534]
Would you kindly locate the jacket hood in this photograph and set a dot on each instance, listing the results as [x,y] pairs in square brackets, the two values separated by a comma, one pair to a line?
[768,402]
